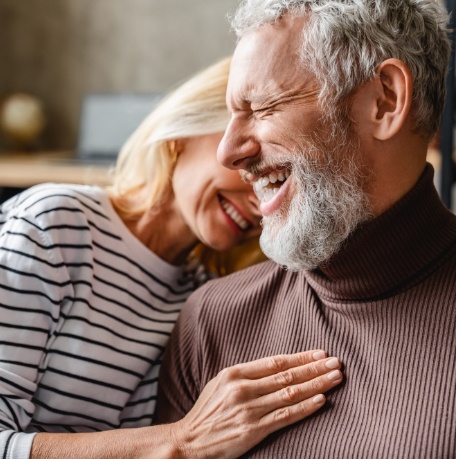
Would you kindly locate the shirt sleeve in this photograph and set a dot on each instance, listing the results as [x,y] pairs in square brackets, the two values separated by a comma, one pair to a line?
[31,292]
[179,383]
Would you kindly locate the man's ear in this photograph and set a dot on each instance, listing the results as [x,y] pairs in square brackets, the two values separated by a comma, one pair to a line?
[394,90]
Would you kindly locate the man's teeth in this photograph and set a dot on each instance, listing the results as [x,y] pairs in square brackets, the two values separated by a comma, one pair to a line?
[262,187]
[274,176]
[234,214]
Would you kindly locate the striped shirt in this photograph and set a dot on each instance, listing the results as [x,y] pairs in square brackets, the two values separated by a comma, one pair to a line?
[85,313]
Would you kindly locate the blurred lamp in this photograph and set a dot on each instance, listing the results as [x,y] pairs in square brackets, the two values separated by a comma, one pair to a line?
[22,119]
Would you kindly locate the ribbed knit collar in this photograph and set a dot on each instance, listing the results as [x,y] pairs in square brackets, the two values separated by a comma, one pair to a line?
[392,252]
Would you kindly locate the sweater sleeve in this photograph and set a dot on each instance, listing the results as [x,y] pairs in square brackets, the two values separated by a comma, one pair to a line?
[31,292]
[179,383]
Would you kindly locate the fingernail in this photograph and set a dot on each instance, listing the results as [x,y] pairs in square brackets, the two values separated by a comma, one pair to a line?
[332,363]
[334,375]
[318,399]
[318,355]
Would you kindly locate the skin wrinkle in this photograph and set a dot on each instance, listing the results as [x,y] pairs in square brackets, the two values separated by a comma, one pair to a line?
[278,97]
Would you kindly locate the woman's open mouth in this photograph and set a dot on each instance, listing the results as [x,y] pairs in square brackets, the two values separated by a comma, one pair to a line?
[233,213]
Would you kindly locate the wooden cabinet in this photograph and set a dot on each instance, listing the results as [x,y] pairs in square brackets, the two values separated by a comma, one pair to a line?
[23,170]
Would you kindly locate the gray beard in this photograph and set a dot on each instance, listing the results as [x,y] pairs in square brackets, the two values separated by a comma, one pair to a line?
[327,206]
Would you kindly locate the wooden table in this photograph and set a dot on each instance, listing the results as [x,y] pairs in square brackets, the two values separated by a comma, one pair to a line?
[22,170]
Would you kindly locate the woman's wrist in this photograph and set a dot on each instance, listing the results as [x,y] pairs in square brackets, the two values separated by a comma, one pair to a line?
[180,444]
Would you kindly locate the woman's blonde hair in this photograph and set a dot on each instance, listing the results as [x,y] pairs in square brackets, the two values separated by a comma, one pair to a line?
[146,162]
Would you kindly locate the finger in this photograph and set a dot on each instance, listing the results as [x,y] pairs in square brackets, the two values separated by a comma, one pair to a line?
[285,416]
[298,393]
[296,375]
[270,365]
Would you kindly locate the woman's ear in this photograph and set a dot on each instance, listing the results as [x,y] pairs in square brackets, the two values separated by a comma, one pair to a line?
[175,148]
[179,145]
[393,98]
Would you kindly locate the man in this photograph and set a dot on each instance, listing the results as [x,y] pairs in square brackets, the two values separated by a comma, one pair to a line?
[333,105]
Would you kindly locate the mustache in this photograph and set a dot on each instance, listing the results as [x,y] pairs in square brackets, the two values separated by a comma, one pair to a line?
[260,167]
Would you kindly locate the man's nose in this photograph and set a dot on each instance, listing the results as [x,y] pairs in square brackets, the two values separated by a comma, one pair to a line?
[237,147]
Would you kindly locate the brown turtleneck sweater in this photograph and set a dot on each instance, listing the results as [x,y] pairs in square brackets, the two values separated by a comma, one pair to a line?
[385,305]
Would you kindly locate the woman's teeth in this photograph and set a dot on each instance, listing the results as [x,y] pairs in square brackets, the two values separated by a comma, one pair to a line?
[263,188]
[234,214]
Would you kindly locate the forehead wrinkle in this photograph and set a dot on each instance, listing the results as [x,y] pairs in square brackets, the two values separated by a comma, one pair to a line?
[280,80]
[263,96]
[238,96]
[306,95]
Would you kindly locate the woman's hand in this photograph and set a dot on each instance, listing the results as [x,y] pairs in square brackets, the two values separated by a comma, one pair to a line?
[245,403]
[236,410]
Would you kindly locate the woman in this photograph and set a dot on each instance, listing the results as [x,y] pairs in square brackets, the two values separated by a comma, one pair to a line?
[92,281]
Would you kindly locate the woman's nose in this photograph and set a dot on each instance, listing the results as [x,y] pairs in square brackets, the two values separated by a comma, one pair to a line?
[237,147]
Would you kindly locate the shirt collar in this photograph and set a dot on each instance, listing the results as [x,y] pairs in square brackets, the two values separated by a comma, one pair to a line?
[393,251]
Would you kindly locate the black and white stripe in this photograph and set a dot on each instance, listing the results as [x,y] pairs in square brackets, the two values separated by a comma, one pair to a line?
[86,311]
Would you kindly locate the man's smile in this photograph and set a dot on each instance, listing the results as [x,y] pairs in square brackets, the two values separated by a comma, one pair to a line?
[267,186]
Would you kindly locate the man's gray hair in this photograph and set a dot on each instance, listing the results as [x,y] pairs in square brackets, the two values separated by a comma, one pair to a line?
[345,40]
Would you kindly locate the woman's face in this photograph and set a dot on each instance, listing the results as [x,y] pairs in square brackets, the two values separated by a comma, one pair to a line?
[216,205]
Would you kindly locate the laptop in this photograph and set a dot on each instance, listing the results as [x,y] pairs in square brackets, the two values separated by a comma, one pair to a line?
[107,120]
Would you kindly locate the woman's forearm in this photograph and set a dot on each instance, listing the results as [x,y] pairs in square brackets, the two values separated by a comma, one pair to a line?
[143,442]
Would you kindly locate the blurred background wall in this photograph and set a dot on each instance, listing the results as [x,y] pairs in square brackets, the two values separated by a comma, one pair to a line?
[58,50]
